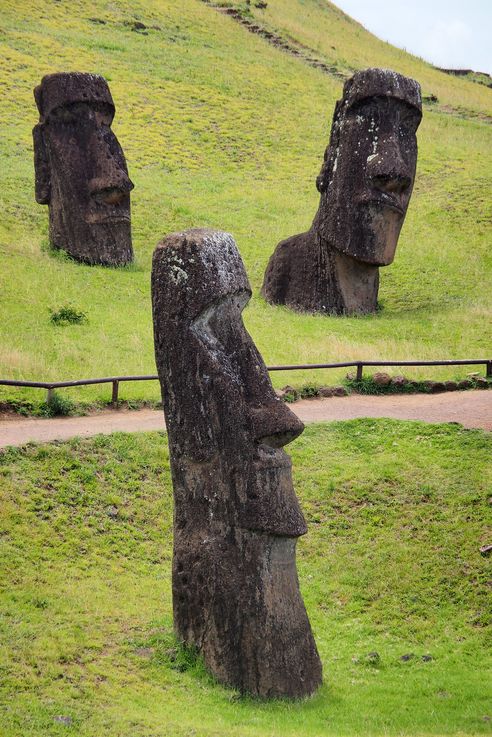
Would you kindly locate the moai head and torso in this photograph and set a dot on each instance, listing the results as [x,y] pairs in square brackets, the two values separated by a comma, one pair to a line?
[80,169]
[365,186]
[235,588]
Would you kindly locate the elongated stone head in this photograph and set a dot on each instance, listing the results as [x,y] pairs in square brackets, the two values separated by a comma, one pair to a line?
[369,167]
[80,169]
[235,588]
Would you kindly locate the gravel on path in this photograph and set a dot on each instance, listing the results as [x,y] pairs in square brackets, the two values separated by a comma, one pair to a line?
[472,409]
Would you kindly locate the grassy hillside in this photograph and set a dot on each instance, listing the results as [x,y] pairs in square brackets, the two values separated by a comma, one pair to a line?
[222,129]
[345,44]
[390,572]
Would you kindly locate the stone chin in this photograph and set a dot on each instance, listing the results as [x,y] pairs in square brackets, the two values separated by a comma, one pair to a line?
[374,240]
[111,236]
[107,243]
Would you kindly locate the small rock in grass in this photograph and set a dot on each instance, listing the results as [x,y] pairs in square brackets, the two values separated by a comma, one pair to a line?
[451,386]
[435,386]
[399,381]
[427,658]
[325,391]
[339,391]
[407,657]
[486,550]
[373,658]
[351,376]
[465,384]
[381,379]
[482,383]
[63,720]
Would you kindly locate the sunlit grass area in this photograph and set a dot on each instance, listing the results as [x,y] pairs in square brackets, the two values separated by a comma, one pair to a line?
[224,130]
[343,42]
[391,573]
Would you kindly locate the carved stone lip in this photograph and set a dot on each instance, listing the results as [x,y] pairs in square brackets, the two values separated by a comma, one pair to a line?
[270,458]
[388,202]
[120,218]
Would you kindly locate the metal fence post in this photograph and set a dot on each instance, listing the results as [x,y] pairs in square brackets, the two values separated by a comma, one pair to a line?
[488,371]
[359,371]
[50,396]
[114,395]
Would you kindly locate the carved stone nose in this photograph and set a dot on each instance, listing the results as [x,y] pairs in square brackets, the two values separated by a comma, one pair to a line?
[274,424]
[392,183]
[110,190]
[112,196]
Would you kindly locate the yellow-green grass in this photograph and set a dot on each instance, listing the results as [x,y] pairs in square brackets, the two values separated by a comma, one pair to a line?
[335,37]
[397,513]
[222,129]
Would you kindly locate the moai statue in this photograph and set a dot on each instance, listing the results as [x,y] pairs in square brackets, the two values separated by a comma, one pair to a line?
[81,170]
[236,517]
[365,185]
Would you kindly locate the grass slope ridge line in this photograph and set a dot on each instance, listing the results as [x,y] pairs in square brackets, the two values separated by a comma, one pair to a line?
[299,50]
[295,49]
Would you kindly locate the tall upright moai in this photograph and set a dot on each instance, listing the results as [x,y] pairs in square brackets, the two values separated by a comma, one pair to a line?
[365,185]
[236,594]
[80,169]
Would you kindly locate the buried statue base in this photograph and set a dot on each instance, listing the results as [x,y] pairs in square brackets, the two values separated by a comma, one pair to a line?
[80,169]
[365,186]
[236,594]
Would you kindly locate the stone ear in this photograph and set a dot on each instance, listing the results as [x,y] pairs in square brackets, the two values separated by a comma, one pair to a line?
[42,171]
[323,176]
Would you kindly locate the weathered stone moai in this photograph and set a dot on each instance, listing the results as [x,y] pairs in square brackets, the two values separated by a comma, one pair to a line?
[365,185]
[80,169]
[236,517]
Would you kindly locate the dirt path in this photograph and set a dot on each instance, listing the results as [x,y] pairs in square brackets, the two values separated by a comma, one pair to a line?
[468,408]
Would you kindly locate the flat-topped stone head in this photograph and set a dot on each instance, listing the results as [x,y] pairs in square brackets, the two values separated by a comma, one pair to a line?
[369,168]
[80,169]
[235,588]
[365,185]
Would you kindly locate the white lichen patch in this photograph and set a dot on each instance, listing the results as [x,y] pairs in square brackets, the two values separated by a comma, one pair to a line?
[177,272]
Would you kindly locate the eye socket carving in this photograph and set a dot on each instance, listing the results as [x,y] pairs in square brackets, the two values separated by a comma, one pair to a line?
[82,111]
[219,318]
[374,111]
[217,327]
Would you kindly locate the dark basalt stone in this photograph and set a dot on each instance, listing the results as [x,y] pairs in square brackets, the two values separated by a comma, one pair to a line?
[80,169]
[236,517]
[365,185]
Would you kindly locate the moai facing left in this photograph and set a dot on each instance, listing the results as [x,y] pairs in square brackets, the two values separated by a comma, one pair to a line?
[236,594]
[80,169]
[365,185]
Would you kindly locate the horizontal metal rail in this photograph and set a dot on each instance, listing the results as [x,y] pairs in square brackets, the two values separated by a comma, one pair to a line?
[359,365]
[457,362]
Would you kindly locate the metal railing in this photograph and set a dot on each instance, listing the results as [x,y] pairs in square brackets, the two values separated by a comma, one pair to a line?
[50,386]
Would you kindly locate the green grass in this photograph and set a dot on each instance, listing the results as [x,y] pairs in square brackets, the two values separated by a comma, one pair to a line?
[396,512]
[221,129]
